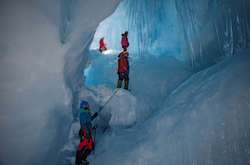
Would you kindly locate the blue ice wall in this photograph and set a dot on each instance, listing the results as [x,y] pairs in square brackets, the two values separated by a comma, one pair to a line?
[153,28]
[214,29]
[201,31]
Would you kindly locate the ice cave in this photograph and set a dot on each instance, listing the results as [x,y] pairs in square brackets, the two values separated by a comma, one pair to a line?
[188,101]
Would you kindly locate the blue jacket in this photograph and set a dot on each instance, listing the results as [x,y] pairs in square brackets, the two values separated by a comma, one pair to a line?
[85,119]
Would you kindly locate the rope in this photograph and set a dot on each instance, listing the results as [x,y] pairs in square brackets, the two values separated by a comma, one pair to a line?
[102,107]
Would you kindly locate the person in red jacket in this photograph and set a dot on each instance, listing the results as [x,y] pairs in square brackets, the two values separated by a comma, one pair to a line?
[123,69]
[124,40]
[102,45]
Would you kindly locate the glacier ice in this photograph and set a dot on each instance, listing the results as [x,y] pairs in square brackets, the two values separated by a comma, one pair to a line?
[203,121]
[213,29]
[34,99]
[201,32]
[193,125]
[35,114]
[146,35]
[173,115]
[122,109]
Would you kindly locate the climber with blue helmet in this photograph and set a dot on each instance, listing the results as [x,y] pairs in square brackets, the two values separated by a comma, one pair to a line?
[86,140]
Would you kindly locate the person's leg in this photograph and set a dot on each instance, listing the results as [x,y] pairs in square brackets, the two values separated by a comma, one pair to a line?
[126,81]
[119,82]
[81,156]
[78,157]
[85,154]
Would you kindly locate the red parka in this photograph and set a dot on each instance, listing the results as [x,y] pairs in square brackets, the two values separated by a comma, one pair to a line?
[102,44]
[123,65]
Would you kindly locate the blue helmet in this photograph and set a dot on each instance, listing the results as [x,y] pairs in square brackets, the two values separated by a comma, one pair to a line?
[84,104]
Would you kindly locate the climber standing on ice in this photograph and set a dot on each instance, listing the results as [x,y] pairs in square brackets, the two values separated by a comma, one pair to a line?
[86,140]
[102,45]
[123,69]
[124,40]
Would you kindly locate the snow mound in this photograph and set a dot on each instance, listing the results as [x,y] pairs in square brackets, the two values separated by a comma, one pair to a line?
[122,108]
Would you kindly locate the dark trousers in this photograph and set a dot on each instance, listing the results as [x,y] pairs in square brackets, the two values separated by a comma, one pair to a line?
[81,156]
[123,76]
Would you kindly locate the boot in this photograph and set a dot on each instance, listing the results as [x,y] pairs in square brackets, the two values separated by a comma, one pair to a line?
[126,84]
[119,83]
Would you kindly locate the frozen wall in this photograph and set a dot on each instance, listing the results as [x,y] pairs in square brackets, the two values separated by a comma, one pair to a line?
[203,32]
[204,121]
[35,102]
[33,96]
[214,28]
[153,28]
[79,27]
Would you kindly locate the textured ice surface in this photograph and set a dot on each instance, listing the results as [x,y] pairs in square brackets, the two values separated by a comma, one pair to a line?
[204,121]
[214,29]
[202,32]
[122,109]
[153,26]
[35,104]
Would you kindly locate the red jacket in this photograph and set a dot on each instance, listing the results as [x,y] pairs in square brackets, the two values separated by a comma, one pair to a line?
[102,45]
[86,142]
[123,65]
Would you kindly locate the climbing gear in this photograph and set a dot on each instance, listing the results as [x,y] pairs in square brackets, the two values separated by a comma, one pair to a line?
[94,116]
[102,107]
[94,135]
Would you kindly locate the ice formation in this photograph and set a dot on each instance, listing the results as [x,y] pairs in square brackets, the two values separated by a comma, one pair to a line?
[189,86]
